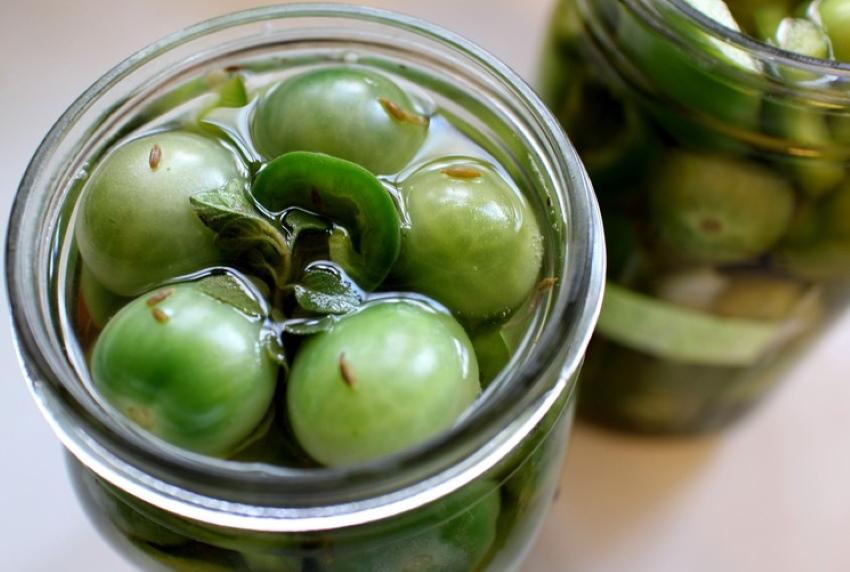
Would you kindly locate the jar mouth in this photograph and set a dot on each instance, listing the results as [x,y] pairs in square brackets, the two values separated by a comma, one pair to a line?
[260,497]
[762,50]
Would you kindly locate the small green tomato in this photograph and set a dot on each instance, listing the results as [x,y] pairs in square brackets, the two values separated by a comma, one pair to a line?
[135,227]
[186,367]
[835,214]
[706,208]
[454,534]
[835,17]
[348,112]
[100,302]
[472,241]
[380,381]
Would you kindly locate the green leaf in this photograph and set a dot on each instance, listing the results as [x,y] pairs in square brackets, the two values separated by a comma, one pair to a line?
[230,290]
[243,234]
[327,290]
[297,222]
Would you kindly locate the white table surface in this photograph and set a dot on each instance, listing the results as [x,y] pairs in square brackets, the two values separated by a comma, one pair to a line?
[773,494]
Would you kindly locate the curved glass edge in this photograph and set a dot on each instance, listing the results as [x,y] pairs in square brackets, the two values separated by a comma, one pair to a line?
[657,13]
[764,50]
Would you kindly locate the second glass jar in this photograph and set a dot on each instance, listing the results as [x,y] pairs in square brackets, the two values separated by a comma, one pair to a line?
[721,165]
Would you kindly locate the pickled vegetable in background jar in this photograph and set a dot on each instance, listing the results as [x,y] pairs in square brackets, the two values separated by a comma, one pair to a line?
[313,298]
[716,136]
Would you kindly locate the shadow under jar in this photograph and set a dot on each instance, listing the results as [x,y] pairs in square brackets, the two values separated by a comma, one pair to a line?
[471,497]
[721,167]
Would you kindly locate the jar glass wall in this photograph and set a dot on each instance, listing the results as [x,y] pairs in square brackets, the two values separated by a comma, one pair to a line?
[470,499]
[721,165]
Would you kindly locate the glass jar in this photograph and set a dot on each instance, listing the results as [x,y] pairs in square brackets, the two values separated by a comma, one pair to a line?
[721,167]
[471,499]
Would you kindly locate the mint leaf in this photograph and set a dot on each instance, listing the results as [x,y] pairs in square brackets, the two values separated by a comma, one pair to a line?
[243,234]
[296,222]
[325,289]
[231,290]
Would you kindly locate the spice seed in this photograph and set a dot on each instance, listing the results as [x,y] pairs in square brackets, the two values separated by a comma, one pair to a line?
[467,173]
[155,157]
[346,372]
[159,297]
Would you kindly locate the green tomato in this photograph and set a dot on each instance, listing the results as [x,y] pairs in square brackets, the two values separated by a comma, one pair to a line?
[451,535]
[367,243]
[348,112]
[759,18]
[835,214]
[186,367]
[381,380]
[759,298]
[834,15]
[120,509]
[100,302]
[824,259]
[707,208]
[805,127]
[271,562]
[471,242]
[492,352]
[805,227]
[135,227]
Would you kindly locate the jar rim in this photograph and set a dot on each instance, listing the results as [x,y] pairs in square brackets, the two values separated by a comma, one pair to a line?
[580,292]
[755,47]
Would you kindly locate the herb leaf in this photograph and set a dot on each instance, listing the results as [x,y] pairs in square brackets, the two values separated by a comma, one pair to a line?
[325,289]
[243,234]
[297,221]
[230,290]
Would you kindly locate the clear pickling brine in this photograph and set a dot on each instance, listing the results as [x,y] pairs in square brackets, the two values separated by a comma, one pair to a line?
[315,300]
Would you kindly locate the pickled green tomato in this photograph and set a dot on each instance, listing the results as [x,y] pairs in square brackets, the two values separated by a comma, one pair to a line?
[380,381]
[187,368]
[706,208]
[135,227]
[803,125]
[760,17]
[835,17]
[836,214]
[451,535]
[100,302]
[471,242]
[348,112]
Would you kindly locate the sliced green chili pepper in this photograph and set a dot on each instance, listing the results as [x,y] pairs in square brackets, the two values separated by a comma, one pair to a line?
[677,75]
[366,242]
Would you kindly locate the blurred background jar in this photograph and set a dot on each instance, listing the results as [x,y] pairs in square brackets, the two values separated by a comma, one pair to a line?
[721,165]
[471,499]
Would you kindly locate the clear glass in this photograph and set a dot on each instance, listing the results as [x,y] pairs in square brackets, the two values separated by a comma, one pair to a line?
[721,167]
[471,499]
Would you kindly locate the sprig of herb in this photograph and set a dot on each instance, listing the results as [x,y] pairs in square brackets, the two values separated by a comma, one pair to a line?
[244,234]
[325,289]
